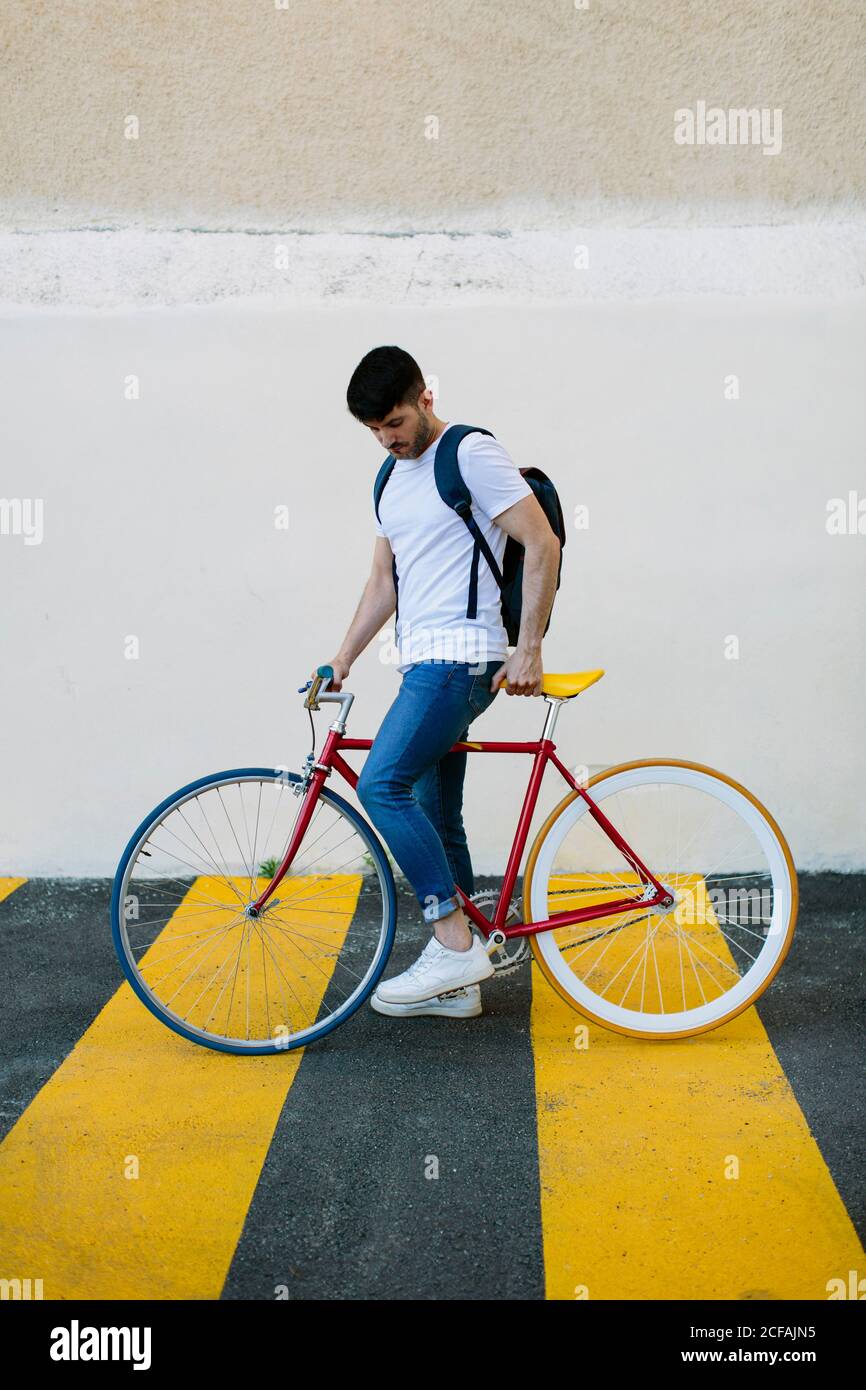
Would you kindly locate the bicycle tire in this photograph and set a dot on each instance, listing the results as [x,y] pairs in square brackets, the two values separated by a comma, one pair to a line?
[259,1046]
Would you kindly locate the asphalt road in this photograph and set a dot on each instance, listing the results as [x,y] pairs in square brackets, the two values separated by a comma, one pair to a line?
[407,1158]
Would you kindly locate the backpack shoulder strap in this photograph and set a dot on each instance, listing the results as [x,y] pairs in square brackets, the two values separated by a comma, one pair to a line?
[455,494]
[449,480]
[381,479]
[378,488]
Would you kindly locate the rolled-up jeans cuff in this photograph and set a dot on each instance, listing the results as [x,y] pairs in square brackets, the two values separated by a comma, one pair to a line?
[441,907]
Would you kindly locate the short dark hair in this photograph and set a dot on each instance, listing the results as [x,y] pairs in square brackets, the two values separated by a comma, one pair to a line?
[385,378]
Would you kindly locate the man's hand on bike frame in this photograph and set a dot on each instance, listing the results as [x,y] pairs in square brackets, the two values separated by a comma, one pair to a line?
[523,671]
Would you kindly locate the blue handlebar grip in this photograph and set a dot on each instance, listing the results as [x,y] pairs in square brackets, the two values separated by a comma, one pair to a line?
[325,671]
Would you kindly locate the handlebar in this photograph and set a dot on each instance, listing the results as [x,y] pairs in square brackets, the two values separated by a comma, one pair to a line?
[317,694]
[323,674]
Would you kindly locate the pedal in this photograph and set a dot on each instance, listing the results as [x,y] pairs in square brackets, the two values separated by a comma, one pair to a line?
[516,950]
[495,941]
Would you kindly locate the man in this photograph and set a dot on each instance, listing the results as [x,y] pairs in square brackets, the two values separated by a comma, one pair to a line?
[411,785]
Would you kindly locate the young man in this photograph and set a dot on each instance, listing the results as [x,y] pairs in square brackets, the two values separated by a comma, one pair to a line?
[452,666]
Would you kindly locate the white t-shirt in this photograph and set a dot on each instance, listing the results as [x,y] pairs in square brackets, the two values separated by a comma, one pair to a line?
[432,546]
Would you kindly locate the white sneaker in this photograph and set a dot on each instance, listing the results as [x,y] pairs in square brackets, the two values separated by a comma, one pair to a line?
[437,970]
[460,1003]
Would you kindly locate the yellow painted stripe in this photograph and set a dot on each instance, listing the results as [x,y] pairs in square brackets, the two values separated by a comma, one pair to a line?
[639,1142]
[8,885]
[221,977]
[197,1124]
[686,968]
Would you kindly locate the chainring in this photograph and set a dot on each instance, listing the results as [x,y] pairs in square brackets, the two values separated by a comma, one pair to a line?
[514,953]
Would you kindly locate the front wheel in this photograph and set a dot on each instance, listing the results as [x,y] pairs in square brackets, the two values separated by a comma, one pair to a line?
[188,945]
[663,973]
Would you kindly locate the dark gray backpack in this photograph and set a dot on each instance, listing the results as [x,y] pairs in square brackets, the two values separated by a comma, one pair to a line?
[455,494]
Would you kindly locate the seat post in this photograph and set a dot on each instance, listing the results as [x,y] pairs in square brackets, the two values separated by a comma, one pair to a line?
[552,716]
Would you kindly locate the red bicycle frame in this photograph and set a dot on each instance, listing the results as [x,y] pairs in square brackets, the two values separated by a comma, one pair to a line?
[543,752]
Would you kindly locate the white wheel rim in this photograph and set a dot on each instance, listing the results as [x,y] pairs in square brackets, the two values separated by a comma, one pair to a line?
[754,977]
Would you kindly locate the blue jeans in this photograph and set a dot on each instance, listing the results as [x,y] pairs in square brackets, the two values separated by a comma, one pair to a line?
[412,787]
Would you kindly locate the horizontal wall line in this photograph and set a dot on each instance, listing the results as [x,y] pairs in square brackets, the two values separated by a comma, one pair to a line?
[101,268]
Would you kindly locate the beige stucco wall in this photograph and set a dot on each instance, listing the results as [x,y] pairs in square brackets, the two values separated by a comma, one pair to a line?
[313,115]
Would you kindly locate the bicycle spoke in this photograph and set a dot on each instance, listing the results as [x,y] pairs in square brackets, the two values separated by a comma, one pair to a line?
[184,921]
[703,840]
[334,955]
[248,867]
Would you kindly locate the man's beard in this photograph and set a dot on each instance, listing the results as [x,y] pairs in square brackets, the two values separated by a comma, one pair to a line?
[421,439]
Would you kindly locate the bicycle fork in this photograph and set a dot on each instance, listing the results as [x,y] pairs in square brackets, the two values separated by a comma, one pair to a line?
[302,821]
[314,776]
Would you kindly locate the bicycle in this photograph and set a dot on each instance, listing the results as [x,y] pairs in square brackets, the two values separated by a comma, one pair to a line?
[656,953]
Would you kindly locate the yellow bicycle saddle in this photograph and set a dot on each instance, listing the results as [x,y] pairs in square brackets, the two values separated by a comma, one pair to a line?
[566,684]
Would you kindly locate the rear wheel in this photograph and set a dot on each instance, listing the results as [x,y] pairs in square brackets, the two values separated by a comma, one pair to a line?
[225,979]
[663,973]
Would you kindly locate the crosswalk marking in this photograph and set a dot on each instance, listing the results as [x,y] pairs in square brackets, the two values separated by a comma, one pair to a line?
[8,885]
[680,1169]
[130,1174]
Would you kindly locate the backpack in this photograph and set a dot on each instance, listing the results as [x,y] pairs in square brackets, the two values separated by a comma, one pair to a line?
[455,494]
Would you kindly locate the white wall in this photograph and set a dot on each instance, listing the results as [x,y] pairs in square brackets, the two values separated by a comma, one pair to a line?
[707,518]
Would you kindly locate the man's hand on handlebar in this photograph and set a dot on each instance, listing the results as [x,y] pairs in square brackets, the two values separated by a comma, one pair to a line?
[341,670]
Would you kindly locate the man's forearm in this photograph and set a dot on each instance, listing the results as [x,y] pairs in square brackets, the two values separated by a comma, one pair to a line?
[540,567]
[378,602]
